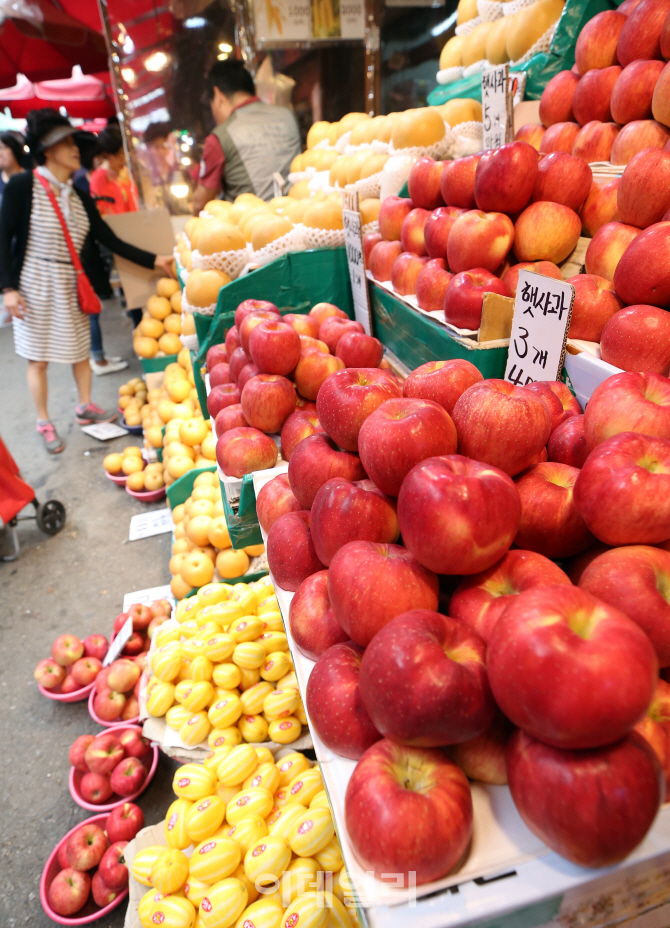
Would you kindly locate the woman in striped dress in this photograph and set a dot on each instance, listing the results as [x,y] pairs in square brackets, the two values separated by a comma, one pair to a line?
[37,277]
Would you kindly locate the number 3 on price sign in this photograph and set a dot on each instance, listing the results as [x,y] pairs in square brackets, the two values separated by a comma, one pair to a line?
[542,313]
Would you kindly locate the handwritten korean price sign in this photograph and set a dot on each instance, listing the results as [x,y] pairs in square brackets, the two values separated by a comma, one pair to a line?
[542,311]
[496,106]
[353,242]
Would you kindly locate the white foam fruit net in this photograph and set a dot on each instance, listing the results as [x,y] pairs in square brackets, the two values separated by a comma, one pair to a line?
[342,142]
[449,75]
[440,151]
[475,67]
[368,186]
[230,262]
[489,10]
[370,227]
[395,174]
[466,28]
[186,307]
[190,342]
[513,6]
[323,238]
[292,241]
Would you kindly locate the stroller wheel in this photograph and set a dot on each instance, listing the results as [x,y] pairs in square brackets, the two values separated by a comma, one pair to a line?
[51,516]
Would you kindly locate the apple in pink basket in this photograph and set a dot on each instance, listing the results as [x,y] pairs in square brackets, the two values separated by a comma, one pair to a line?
[77,752]
[562,178]
[594,140]
[66,649]
[391,216]
[95,788]
[268,400]
[555,633]
[357,349]
[405,271]
[550,523]
[96,646]
[505,178]
[123,675]
[314,461]
[69,684]
[442,381]
[348,397]
[101,681]
[274,499]
[412,231]
[135,645]
[457,183]
[595,304]
[480,240]
[220,373]
[532,133]
[334,703]
[382,258]
[85,847]
[238,359]
[423,681]
[546,232]
[226,394]
[556,99]
[431,284]
[343,511]
[370,584]
[302,323]
[628,402]
[85,670]
[120,621]
[464,296]
[128,776]
[560,136]
[636,207]
[49,674]
[438,228]
[643,273]
[243,450]
[597,41]
[131,709]
[232,342]
[501,424]
[247,307]
[274,347]
[217,354]
[591,807]
[606,249]
[420,797]
[247,372]
[638,339]
[61,858]
[453,490]
[600,206]
[633,91]
[321,311]
[103,753]
[480,600]
[133,743]
[252,321]
[623,490]
[124,822]
[113,870]
[635,579]
[333,328]
[68,891]
[312,369]
[636,137]
[423,184]
[400,434]
[483,758]
[108,705]
[231,417]
[567,443]
[591,100]
[312,621]
[290,550]
[370,239]
[102,894]
[300,424]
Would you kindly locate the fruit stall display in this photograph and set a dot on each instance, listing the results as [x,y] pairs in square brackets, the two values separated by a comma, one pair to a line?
[163,324]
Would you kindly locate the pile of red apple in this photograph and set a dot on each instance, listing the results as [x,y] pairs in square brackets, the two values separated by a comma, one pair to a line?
[73,664]
[111,764]
[146,619]
[117,690]
[467,650]
[264,380]
[88,848]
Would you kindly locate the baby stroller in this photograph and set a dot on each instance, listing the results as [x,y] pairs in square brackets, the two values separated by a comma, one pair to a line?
[15,495]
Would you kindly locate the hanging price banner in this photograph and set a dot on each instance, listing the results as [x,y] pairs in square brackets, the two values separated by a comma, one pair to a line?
[146,524]
[497,106]
[353,242]
[542,312]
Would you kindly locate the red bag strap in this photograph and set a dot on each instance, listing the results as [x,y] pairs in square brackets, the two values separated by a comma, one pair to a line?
[66,232]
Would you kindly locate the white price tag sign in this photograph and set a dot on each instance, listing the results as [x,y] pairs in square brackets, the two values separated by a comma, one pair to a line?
[542,311]
[103,431]
[157,522]
[496,106]
[119,642]
[353,242]
[144,597]
[278,185]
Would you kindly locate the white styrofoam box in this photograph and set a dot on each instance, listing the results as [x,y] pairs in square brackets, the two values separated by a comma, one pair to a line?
[586,372]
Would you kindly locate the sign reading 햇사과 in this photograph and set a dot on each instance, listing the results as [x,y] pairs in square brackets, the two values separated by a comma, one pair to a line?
[496,106]
[542,311]
[353,242]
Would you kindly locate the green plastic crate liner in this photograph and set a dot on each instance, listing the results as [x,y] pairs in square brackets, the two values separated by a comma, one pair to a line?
[154,365]
[541,67]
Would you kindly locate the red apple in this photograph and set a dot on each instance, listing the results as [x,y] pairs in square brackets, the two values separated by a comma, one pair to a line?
[531,133]
[245,375]
[101,681]
[423,681]
[226,394]
[103,753]
[480,240]
[600,206]
[637,338]
[382,258]
[591,100]
[244,450]
[560,136]
[370,584]
[636,137]
[133,743]
[232,342]
[268,400]
[554,406]
[357,349]
[290,550]
[96,646]
[303,324]
[334,328]
[124,822]
[120,621]
[457,183]
[312,621]
[550,523]
[635,205]
[312,370]
[85,670]
[66,649]
[479,601]
[142,615]
[568,400]
[505,178]
[314,461]
[633,91]
[273,500]
[113,870]
[643,273]
[441,381]
[49,674]
[102,894]
[370,239]
[108,705]
[274,346]
[134,645]
[562,178]
[431,284]
[597,41]
[77,752]
[628,402]
[247,307]
[665,37]
[464,296]
[85,847]
[307,342]
[423,184]
[594,140]
[556,99]
[334,702]
[300,424]
[238,359]
[438,228]
[591,807]
[567,443]
[69,684]
[128,776]
[96,788]
[659,102]
[217,354]
[391,215]
[230,417]
[123,675]
[418,796]
[606,249]
[595,304]
[501,424]
[321,312]
[623,490]
[219,374]
[441,510]
[546,231]
[641,33]
[251,322]
[511,277]
[348,397]
[411,232]
[69,891]
[343,511]
[483,758]
[655,728]
[405,271]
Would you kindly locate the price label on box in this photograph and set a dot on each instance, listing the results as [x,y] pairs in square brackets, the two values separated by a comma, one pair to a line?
[119,642]
[103,431]
[497,106]
[144,597]
[353,242]
[542,312]
[157,522]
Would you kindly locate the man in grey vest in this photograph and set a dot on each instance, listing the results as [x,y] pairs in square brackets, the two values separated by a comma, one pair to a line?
[251,140]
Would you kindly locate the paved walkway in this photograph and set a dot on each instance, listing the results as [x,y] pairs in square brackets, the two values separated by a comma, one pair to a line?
[73,582]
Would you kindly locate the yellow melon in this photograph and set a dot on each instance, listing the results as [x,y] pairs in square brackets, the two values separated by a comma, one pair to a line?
[421,128]
[530,24]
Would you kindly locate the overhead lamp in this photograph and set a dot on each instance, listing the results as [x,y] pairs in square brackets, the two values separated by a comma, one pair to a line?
[195,22]
[156,62]
[128,75]
[224,47]
[179,190]
[222,56]
[443,26]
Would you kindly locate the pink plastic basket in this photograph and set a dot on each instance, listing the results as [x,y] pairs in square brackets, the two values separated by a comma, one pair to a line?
[121,723]
[91,912]
[150,762]
[147,496]
[76,696]
[120,480]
